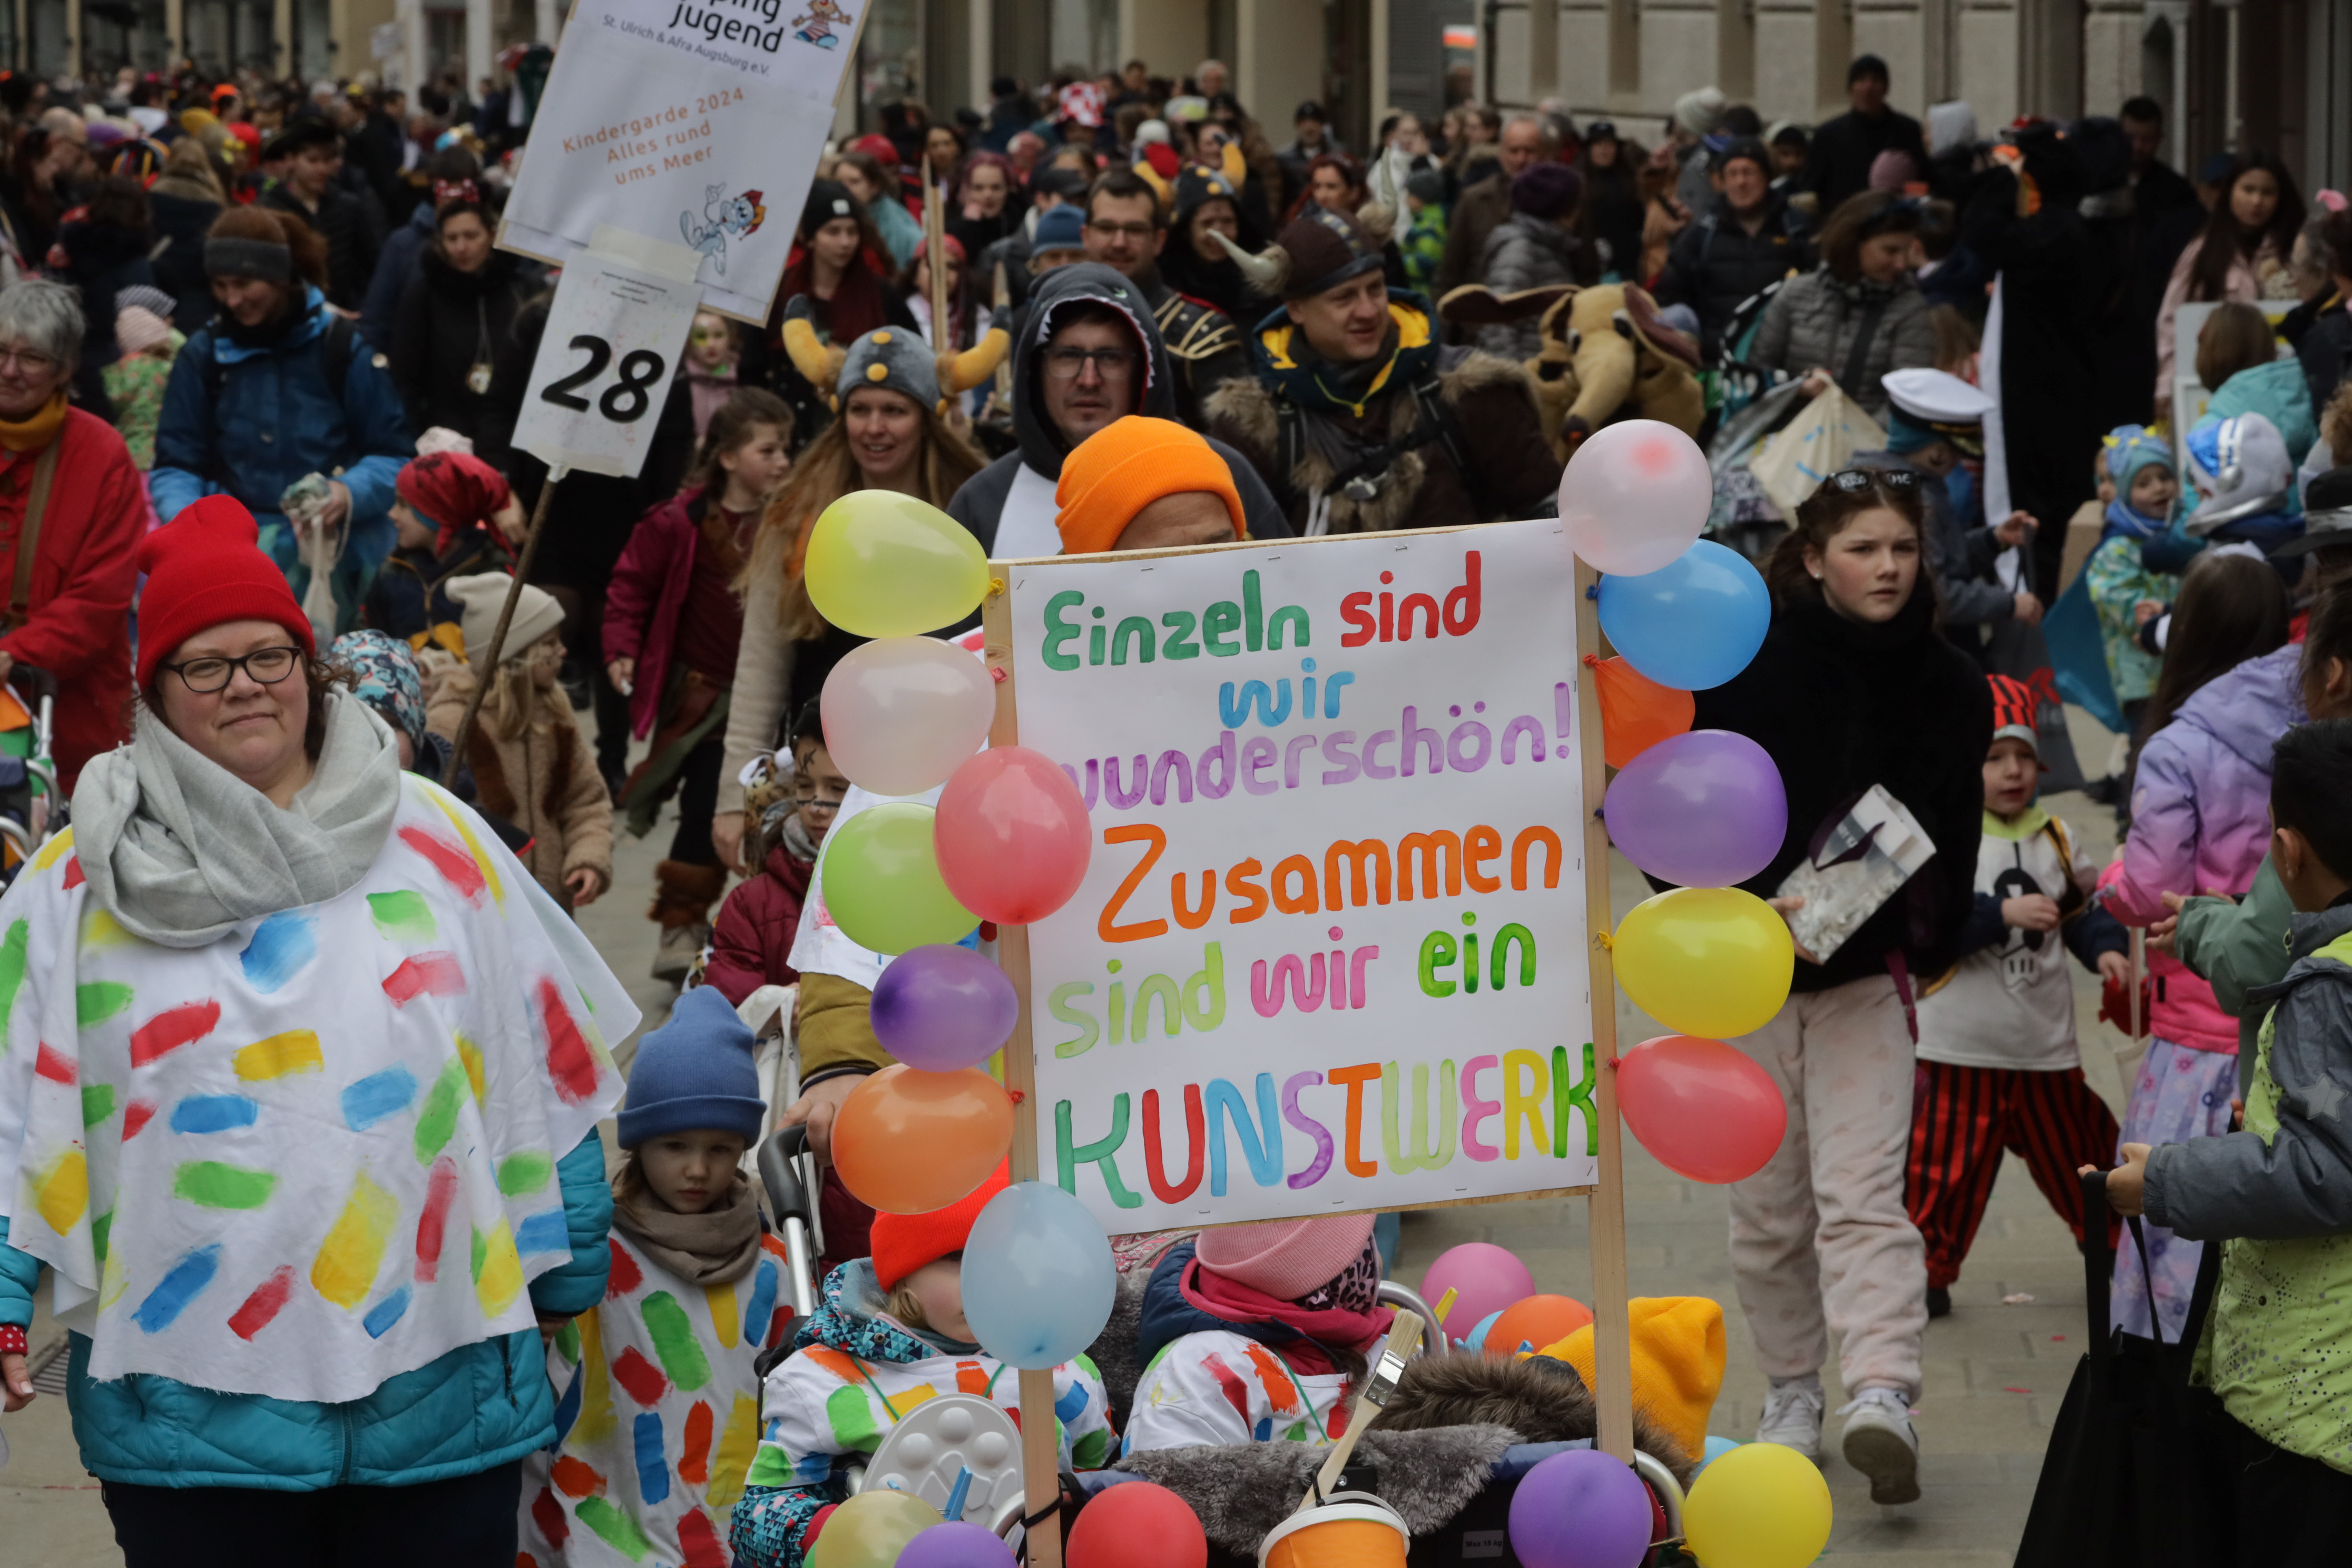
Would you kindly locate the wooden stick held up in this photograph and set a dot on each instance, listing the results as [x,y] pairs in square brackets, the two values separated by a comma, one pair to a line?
[499,637]
[1380,1386]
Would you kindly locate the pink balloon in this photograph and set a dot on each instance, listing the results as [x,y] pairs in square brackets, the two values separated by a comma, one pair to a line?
[1635,496]
[902,713]
[1484,1279]
[1703,1109]
[1011,835]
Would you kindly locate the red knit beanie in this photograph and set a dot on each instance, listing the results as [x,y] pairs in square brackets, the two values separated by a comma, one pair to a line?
[904,1242]
[204,569]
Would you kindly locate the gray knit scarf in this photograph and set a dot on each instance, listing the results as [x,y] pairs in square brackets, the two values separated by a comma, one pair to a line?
[181,851]
[719,1244]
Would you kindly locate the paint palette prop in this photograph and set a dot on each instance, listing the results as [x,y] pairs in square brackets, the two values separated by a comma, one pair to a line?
[939,1439]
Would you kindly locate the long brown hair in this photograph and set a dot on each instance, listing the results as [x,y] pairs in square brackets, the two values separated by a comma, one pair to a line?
[2225,241]
[2231,609]
[745,410]
[2235,337]
[1822,516]
[822,475]
[1866,216]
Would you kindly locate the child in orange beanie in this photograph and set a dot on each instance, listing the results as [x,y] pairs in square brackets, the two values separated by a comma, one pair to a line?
[1145,484]
[891,1334]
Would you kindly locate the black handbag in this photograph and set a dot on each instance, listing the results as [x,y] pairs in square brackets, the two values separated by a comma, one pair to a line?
[2127,1482]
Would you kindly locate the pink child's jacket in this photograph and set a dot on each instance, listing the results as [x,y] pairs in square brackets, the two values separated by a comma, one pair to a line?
[2200,824]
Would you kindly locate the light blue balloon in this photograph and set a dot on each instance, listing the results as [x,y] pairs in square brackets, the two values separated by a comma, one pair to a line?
[1477,1339]
[1717,1448]
[1693,625]
[1038,1280]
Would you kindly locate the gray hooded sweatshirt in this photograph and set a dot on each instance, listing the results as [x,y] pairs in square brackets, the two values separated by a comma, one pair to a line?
[1009,505]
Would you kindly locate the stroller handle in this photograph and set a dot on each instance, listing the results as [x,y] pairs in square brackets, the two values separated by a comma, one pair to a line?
[1405,1298]
[792,1203]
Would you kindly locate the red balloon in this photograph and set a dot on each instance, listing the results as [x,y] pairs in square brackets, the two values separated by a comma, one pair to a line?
[1137,1525]
[1707,1111]
[1011,835]
[1535,1323]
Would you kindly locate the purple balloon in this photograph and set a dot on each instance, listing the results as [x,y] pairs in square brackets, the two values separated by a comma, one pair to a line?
[955,1545]
[941,1008]
[1704,809]
[1578,1509]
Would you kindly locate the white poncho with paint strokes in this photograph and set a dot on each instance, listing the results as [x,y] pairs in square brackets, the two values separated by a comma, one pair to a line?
[321,1152]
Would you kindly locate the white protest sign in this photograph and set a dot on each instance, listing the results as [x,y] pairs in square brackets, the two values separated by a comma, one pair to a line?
[1331,953]
[605,366]
[692,123]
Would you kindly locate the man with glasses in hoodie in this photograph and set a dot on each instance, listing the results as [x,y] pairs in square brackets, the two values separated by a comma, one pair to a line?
[1087,352]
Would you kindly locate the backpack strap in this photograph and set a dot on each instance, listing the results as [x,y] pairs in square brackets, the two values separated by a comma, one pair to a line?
[28,537]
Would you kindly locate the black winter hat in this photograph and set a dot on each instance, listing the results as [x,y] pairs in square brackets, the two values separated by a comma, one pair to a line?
[1547,190]
[827,200]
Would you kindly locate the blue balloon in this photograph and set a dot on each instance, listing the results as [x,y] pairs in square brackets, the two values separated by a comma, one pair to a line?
[1039,1278]
[1693,625]
[1717,1448]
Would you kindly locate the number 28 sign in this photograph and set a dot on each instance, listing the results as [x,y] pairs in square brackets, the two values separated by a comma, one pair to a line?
[605,363]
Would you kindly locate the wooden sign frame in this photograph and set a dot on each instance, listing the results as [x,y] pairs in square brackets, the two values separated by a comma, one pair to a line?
[1612,1353]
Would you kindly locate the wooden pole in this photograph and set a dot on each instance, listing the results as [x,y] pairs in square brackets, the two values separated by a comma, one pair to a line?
[489,664]
[1040,1447]
[1612,1353]
[935,247]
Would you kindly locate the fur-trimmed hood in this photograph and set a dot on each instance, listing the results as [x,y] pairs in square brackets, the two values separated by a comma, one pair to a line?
[1542,1400]
[1247,409]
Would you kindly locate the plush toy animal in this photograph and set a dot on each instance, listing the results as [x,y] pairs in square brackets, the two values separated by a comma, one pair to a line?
[1606,353]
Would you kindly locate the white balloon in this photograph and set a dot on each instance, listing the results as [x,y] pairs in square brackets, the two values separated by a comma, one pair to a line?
[1635,496]
[902,713]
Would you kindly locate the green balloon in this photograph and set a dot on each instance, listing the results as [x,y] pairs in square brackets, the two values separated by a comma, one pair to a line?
[882,883]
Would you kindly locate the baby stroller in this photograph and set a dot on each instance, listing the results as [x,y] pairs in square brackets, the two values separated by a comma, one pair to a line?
[32,809]
[1455,1483]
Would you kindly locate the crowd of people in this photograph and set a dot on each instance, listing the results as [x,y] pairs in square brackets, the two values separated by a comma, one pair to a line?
[261,365]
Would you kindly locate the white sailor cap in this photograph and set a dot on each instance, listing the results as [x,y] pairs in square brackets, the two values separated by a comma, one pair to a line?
[1936,397]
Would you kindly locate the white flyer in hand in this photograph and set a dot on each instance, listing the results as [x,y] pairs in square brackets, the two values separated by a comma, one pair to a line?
[697,124]
[1874,849]
[606,364]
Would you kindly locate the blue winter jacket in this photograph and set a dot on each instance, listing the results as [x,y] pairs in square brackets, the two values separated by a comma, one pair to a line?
[394,266]
[277,420]
[479,1406]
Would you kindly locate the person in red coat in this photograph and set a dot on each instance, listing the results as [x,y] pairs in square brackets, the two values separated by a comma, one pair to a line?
[67,572]
[786,814]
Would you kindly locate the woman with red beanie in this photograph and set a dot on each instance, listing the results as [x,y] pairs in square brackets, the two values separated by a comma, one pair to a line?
[301,1077]
[890,1334]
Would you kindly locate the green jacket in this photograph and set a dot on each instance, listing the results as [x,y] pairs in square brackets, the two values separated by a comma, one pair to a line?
[2278,1345]
[2238,947]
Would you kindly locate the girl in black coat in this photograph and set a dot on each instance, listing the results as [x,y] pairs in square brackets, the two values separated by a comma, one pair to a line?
[454,316]
[1854,686]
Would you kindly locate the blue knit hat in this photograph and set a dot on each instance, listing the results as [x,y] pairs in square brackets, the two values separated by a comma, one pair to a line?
[694,1074]
[2130,449]
[1059,228]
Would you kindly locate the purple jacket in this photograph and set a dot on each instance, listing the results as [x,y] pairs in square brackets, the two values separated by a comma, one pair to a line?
[2200,822]
[642,602]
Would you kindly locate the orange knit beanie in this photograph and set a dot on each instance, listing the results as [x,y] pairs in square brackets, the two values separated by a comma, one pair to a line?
[1125,466]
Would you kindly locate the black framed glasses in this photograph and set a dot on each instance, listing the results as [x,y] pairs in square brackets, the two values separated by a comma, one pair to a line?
[1069,363]
[266,665]
[1853,481]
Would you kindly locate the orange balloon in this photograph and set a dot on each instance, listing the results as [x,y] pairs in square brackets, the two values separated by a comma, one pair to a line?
[908,1141]
[1537,1321]
[1636,712]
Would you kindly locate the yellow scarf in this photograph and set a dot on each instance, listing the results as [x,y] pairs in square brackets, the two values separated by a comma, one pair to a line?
[37,432]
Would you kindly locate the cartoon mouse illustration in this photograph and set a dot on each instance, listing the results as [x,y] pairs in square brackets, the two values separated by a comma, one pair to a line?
[722,215]
[816,26]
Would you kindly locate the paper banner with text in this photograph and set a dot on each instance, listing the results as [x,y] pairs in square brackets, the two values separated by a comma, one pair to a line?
[695,124]
[1331,951]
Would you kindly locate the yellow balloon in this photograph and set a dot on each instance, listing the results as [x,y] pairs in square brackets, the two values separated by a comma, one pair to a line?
[882,565]
[1710,961]
[871,1529]
[1759,1506]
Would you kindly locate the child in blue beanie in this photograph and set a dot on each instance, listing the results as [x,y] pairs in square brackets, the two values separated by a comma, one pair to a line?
[657,1409]
[2136,561]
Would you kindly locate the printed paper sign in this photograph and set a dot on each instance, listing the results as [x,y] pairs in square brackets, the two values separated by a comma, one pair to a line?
[1330,953]
[614,336]
[692,123]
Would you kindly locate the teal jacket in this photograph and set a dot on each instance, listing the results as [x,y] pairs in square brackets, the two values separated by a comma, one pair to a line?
[479,1406]
[2278,393]
[2238,948]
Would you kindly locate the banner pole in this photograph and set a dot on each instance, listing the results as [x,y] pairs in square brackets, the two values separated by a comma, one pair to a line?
[1040,1441]
[499,636]
[1612,1353]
